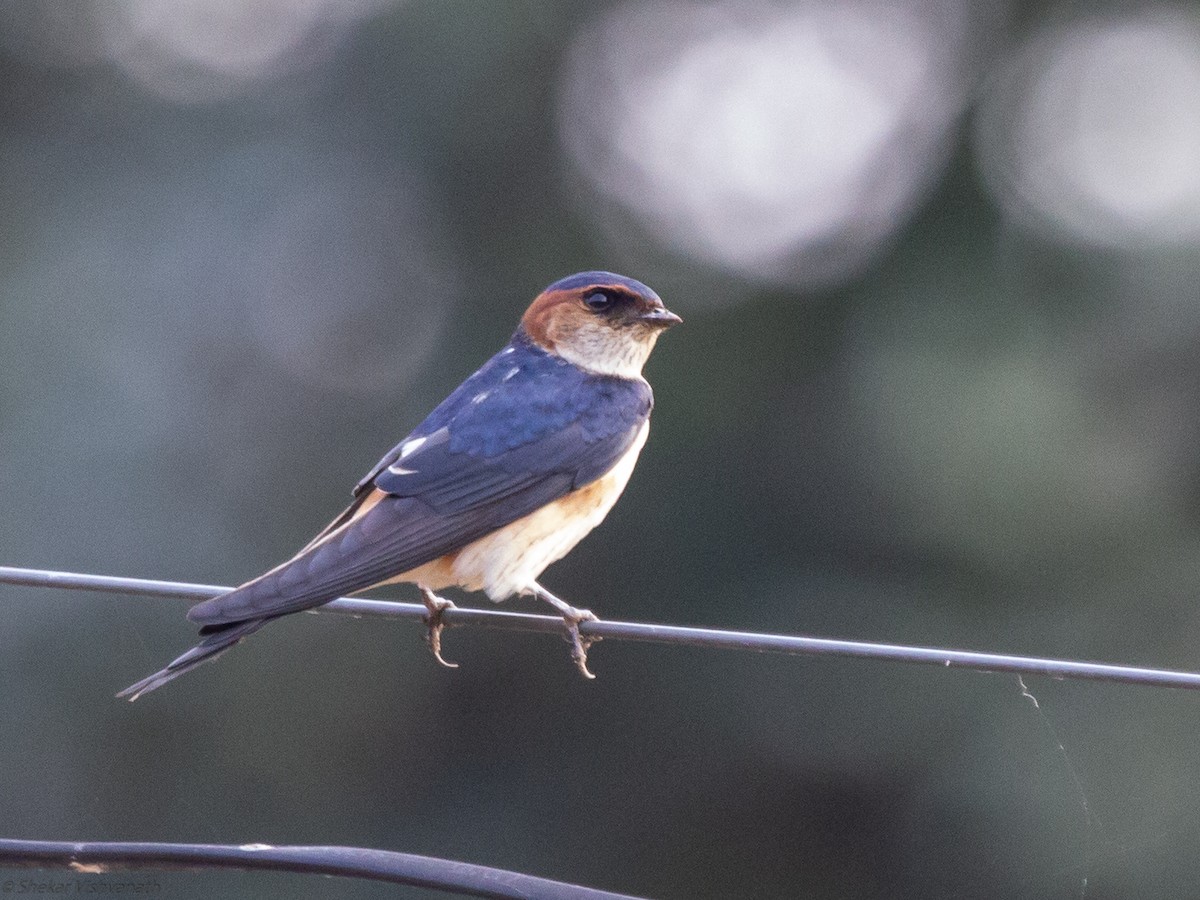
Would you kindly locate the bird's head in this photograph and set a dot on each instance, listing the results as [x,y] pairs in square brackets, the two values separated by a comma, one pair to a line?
[599,321]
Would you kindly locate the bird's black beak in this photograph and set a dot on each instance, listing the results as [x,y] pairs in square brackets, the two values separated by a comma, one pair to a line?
[659,317]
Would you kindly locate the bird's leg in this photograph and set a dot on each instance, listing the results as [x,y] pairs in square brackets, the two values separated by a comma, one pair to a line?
[436,606]
[571,618]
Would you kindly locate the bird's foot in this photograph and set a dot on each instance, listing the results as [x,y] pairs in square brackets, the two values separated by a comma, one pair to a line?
[433,637]
[579,644]
[571,618]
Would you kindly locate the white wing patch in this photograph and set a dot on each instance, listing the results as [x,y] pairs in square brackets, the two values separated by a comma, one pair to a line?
[408,448]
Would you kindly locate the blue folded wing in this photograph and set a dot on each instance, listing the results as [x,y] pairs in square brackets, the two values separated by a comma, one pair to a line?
[517,434]
[523,431]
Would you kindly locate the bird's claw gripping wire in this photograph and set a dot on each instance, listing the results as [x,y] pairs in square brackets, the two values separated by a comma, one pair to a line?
[433,637]
[571,619]
[580,644]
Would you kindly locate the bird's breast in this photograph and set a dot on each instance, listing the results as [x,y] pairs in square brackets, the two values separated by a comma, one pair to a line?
[510,559]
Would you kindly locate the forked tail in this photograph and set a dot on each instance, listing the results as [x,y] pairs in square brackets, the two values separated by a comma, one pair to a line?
[218,639]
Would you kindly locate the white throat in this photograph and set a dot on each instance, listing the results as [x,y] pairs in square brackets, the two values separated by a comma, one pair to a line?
[602,350]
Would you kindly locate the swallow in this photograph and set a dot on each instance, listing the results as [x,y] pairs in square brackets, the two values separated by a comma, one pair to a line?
[502,479]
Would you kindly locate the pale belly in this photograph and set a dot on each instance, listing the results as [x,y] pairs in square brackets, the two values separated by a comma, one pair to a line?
[510,560]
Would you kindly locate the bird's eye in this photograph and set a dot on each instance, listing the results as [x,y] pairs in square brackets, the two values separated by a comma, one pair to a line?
[598,301]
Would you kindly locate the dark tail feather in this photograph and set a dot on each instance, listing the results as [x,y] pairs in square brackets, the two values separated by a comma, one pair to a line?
[216,641]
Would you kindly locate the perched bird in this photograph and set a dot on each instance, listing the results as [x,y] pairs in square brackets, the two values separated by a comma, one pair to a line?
[503,478]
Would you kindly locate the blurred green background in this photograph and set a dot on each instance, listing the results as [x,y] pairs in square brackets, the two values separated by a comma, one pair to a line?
[939,265]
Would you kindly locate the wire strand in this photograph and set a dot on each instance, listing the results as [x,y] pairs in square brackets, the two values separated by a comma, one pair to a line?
[467,879]
[641,631]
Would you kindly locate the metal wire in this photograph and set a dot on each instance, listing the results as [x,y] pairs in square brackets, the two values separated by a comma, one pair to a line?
[640,631]
[467,879]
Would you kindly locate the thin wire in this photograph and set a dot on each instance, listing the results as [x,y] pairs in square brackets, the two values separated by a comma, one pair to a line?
[467,879]
[640,631]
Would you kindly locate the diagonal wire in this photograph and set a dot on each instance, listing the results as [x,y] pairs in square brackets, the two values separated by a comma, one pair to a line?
[640,631]
[465,879]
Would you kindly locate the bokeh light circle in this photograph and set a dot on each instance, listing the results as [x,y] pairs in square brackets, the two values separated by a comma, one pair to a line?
[777,143]
[208,50]
[1093,131]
